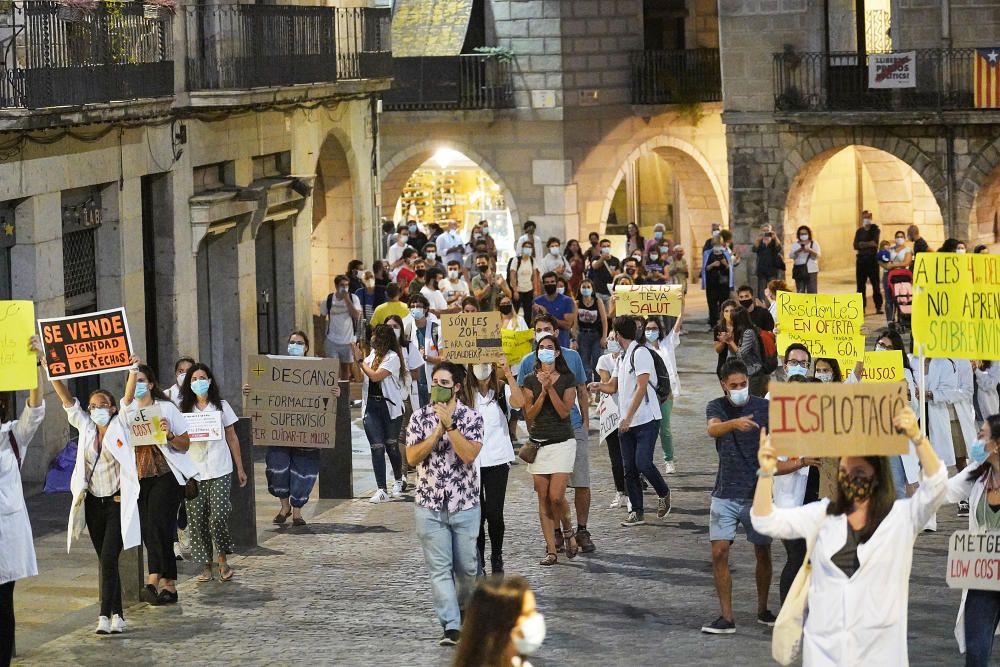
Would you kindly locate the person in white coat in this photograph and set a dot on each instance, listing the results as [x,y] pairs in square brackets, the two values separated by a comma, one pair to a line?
[105,486]
[987,383]
[17,551]
[861,552]
[979,485]
[951,416]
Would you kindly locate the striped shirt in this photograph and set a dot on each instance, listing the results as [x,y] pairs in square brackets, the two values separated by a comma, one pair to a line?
[102,471]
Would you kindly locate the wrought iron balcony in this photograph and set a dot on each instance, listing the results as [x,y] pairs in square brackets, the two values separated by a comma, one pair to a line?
[839,82]
[55,55]
[676,77]
[467,81]
[235,46]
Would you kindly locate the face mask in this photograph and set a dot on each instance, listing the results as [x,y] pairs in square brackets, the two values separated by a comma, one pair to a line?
[453,275]
[482,371]
[370,282]
[296,349]
[803,237]
[525,251]
[900,240]
[614,346]
[413,229]
[664,249]
[200,387]
[550,289]
[533,634]
[342,289]
[586,291]
[746,303]
[180,379]
[100,416]
[547,356]
[441,394]
[606,251]
[539,335]
[396,332]
[637,257]
[560,290]
[431,256]
[653,257]
[739,397]
[960,251]
[977,451]
[554,251]
[421,273]
[866,221]
[657,235]
[506,308]
[825,376]
[792,371]
[652,335]
[359,274]
[403,240]
[418,313]
[477,236]
[141,389]
[716,251]
[855,488]
[630,271]
[880,348]
[482,268]
[716,232]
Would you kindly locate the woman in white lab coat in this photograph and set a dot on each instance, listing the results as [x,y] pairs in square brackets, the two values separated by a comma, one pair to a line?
[861,552]
[949,385]
[17,552]
[987,380]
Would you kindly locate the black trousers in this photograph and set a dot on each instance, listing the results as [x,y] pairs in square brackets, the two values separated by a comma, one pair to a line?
[104,524]
[6,623]
[865,271]
[159,498]
[715,295]
[525,301]
[492,494]
[617,469]
[795,555]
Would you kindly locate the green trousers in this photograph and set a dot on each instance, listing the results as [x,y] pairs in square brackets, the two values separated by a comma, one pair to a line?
[666,440]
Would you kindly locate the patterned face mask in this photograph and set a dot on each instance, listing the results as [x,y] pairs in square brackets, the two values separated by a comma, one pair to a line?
[856,488]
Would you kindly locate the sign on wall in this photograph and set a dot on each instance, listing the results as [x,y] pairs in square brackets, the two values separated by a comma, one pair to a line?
[892,70]
[291,401]
[86,344]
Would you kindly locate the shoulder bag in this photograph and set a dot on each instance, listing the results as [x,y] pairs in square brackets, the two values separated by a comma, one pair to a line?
[786,639]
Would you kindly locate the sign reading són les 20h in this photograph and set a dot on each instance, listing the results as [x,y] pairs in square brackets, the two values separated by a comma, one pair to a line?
[291,402]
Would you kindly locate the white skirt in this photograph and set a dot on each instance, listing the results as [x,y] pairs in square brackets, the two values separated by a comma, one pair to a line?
[554,458]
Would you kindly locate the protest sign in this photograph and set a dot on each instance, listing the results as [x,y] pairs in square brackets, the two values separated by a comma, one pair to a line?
[607,411]
[649,300]
[86,344]
[829,325]
[148,427]
[17,360]
[974,560]
[956,305]
[885,366]
[291,402]
[204,425]
[516,345]
[892,70]
[471,338]
[833,419]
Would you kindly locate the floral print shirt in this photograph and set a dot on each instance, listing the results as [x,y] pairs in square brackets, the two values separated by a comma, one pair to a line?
[444,481]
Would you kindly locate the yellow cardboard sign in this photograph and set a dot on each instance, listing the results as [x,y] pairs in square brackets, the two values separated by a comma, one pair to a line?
[828,324]
[956,305]
[649,300]
[18,368]
[516,345]
[886,366]
[429,27]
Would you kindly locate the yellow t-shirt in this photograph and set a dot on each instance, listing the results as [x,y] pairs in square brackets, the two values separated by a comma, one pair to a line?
[389,308]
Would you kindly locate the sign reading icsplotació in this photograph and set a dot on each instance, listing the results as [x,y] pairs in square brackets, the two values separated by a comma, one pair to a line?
[956,305]
[829,325]
[974,560]
[649,300]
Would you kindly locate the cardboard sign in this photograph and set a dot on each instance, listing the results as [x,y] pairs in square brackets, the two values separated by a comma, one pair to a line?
[471,338]
[516,345]
[886,366]
[147,427]
[86,344]
[826,419]
[204,425]
[649,300]
[892,70]
[17,360]
[956,305]
[974,560]
[291,402]
[829,325]
[607,411]
[436,28]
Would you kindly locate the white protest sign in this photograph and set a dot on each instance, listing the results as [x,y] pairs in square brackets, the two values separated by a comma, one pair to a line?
[892,70]
[974,560]
[147,427]
[607,411]
[204,425]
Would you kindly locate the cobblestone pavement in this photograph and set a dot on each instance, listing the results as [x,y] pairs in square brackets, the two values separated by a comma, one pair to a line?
[350,588]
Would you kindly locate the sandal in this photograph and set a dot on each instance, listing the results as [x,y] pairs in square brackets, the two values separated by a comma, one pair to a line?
[206,574]
[225,572]
[572,548]
[550,559]
[298,521]
[281,517]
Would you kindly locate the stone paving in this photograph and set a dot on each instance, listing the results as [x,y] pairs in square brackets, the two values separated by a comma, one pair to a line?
[350,588]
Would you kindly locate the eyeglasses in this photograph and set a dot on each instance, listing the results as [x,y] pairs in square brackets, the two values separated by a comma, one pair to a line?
[798,364]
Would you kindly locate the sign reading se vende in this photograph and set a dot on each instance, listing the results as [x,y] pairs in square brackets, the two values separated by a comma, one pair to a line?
[471,338]
[86,344]
[974,560]
[649,300]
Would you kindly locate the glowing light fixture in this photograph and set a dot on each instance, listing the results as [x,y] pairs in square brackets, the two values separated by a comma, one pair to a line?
[446,156]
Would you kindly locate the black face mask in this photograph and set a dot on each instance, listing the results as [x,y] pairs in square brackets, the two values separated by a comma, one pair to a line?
[506,309]
[746,303]
[421,273]
[550,289]
[482,268]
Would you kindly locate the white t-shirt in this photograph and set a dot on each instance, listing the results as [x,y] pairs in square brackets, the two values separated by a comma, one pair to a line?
[434,297]
[649,407]
[213,457]
[667,352]
[609,363]
[790,490]
[395,252]
[340,329]
[174,394]
[390,386]
[452,288]
[497,448]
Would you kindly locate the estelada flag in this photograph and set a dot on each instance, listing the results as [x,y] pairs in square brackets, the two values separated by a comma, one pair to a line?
[986,78]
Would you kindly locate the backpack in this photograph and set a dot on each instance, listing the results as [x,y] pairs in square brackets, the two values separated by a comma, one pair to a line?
[662,385]
[768,351]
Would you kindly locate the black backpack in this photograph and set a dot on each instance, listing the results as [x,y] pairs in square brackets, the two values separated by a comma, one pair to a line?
[662,385]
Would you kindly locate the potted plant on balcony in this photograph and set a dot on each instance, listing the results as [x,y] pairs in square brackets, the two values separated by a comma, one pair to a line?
[74,11]
[496,72]
[158,9]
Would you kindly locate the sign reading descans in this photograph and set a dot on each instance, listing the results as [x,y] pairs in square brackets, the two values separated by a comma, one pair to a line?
[291,402]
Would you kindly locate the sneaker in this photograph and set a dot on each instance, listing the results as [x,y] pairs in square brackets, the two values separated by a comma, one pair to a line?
[149,595]
[628,505]
[450,638]
[963,508]
[634,519]
[585,542]
[380,496]
[719,626]
[103,625]
[397,488]
[167,597]
[618,501]
[766,618]
[669,468]
[177,551]
[117,625]
[663,505]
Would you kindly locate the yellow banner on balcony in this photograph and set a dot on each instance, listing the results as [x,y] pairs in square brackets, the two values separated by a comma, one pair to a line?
[429,27]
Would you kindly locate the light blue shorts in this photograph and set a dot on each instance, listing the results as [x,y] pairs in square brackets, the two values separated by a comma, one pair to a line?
[726,514]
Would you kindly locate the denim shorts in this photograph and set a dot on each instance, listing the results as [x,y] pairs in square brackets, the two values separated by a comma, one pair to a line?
[725,514]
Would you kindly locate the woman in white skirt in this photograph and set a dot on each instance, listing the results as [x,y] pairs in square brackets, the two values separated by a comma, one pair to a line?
[550,392]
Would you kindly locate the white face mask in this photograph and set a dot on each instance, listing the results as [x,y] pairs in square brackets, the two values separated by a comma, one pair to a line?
[180,379]
[532,634]
[866,221]
[397,332]
[803,237]
[539,335]
[613,346]
[453,275]
[100,416]
[431,256]
[824,376]
[880,348]
[482,371]
[554,250]
[739,397]
[960,251]
[900,240]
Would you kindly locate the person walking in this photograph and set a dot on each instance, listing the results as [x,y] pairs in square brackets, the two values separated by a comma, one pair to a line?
[745,345]
[443,440]
[607,367]
[769,258]
[382,407]
[503,625]
[866,242]
[592,325]
[574,255]
[951,416]
[529,237]
[805,254]
[664,343]
[522,276]
[342,310]
[559,306]
[716,278]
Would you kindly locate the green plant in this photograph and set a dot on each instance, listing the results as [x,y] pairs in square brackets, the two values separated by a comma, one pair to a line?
[501,53]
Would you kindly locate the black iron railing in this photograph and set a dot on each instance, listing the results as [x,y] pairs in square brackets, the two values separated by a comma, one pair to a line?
[468,81]
[234,46]
[676,77]
[839,82]
[54,55]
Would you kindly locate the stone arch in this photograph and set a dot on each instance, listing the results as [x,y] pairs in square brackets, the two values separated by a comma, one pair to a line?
[335,234]
[977,198]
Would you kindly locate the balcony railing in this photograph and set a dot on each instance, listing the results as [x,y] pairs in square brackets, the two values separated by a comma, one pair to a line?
[468,81]
[676,77]
[236,46]
[55,55]
[838,82]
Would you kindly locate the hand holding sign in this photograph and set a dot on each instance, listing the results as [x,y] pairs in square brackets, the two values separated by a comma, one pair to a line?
[767,457]
[905,422]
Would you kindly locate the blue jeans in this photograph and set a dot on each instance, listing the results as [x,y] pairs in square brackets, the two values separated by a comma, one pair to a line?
[637,445]
[449,544]
[982,611]
[589,344]
[382,434]
[898,475]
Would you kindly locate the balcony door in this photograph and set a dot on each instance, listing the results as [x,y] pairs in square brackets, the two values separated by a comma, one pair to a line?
[855,29]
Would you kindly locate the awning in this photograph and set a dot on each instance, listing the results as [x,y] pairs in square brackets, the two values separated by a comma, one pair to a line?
[429,27]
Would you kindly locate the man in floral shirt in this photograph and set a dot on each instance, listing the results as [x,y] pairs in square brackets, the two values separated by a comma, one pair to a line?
[443,441]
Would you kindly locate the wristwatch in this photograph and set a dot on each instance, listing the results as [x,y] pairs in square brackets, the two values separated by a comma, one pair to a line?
[452,427]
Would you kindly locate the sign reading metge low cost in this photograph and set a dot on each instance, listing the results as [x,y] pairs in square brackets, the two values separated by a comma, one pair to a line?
[827,419]
[471,338]
[974,560]
[649,300]
[291,402]
[86,344]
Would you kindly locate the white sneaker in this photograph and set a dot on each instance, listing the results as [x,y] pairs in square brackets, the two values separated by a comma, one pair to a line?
[617,502]
[629,505]
[669,468]
[103,626]
[397,488]
[380,496]
[117,625]
[177,551]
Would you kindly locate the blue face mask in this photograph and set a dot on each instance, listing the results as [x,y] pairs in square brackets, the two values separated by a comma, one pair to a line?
[296,349]
[613,346]
[200,387]
[977,451]
[796,370]
[547,356]
[418,313]
[652,335]
[141,389]
[586,291]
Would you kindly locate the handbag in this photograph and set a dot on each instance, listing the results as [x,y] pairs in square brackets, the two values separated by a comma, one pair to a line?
[800,272]
[786,640]
[191,489]
[528,452]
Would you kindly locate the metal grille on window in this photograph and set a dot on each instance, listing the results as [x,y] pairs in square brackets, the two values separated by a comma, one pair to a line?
[877,31]
[79,269]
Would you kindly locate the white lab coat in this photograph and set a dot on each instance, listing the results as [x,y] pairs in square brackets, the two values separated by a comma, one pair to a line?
[182,465]
[987,381]
[950,382]
[861,620]
[17,551]
[116,438]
